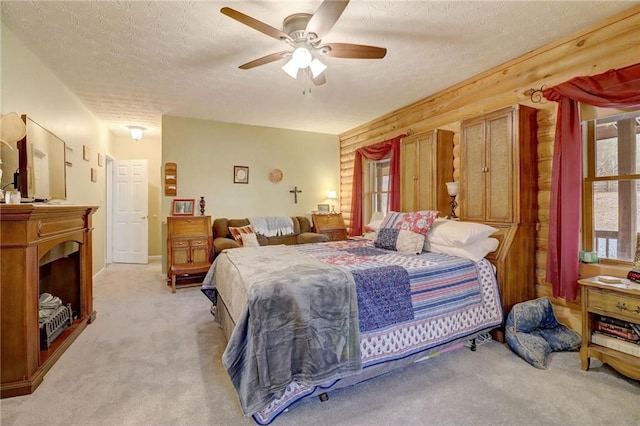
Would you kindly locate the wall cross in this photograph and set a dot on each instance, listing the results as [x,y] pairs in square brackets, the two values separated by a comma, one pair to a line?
[295,191]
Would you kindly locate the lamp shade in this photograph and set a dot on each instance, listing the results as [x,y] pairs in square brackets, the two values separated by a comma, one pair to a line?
[333,195]
[453,188]
[12,128]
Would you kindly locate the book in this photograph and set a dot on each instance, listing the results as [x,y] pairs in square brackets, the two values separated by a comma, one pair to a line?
[617,344]
[614,321]
[625,333]
[608,279]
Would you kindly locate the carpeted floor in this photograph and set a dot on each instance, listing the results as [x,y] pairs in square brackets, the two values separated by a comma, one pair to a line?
[153,358]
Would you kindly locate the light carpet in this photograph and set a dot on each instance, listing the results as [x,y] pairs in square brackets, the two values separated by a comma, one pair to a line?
[154,358]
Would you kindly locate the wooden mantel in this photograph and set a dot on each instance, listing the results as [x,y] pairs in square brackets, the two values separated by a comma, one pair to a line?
[30,234]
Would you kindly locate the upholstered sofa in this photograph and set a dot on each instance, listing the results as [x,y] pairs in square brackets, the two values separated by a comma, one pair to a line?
[222,238]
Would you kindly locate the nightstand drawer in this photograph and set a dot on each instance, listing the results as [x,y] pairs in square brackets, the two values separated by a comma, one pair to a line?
[614,304]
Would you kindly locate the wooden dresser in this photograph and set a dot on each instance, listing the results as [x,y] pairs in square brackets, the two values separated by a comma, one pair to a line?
[331,225]
[617,301]
[498,186]
[189,248]
[45,249]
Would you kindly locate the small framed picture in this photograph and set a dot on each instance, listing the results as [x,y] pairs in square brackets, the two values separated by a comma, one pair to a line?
[240,174]
[323,208]
[94,175]
[182,207]
[100,160]
[85,153]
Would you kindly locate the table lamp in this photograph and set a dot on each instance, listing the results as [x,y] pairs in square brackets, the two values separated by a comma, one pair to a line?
[333,195]
[453,188]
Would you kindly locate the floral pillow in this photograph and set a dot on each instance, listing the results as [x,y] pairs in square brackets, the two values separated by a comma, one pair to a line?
[419,222]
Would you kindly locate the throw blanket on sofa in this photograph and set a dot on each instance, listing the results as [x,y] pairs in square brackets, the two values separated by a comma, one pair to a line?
[300,324]
[272,226]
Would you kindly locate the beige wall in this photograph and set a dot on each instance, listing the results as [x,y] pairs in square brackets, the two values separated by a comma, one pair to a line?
[206,151]
[149,148]
[28,87]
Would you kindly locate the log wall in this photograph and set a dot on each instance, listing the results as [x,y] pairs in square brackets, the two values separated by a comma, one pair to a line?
[614,43]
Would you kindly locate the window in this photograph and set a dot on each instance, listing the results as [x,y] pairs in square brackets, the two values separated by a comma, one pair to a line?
[612,187]
[376,188]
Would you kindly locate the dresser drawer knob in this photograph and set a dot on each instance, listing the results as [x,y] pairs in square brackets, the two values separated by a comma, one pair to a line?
[637,310]
[621,306]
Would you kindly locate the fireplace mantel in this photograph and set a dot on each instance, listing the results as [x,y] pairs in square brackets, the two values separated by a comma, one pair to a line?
[29,232]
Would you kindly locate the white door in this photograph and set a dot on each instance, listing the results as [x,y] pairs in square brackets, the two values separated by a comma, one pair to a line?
[130,211]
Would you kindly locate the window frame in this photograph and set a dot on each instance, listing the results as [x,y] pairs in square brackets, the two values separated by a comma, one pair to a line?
[588,180]
[368,193]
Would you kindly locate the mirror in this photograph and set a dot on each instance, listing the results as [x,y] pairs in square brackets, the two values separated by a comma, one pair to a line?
[42,167]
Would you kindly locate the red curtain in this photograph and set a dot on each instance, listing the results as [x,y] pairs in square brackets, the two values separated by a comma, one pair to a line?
[612,89]
[389,148]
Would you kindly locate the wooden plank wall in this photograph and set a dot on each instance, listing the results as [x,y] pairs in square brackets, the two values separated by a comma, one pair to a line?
[614,43]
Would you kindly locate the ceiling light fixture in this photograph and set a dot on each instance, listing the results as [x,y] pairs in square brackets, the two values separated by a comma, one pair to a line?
[136,132]
[302,58]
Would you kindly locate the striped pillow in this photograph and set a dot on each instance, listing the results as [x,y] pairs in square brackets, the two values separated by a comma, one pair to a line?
[237,231]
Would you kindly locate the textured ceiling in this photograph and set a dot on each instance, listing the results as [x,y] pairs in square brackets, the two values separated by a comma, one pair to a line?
[130,62]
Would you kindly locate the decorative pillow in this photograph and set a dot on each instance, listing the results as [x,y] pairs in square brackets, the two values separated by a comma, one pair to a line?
[409,242]
[249,240]
[373,225]
[533,332]
[237,231]
[458,233]
[474,251]
[386,238]
[419,222]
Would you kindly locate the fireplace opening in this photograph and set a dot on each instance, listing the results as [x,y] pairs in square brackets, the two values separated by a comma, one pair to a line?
[60,298]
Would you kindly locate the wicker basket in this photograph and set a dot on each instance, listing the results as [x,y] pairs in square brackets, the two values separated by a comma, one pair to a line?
[55,325]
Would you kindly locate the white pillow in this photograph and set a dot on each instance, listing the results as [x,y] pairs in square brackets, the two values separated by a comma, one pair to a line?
[409,242]
[474,251]
[458,233]
[249,240]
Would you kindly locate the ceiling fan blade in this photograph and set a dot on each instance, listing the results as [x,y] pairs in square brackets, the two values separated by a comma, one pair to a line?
[264,60]
[356,51]
[254,23]
[326,16]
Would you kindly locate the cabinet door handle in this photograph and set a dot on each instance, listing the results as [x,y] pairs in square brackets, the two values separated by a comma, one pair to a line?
[621,306]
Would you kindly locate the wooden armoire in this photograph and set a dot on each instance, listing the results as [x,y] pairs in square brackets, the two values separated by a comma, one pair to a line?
[498,186]
[427,163]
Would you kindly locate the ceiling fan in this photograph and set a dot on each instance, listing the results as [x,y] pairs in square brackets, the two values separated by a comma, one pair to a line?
[303,33]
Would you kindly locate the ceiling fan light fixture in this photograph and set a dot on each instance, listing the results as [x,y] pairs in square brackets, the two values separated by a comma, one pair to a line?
[302,57]
[291,68]
[317,67]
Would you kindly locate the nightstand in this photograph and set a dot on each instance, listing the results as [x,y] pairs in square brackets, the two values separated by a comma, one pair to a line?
[620,301]
[331,225]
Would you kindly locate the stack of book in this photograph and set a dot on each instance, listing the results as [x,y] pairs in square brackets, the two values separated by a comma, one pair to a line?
[616,334]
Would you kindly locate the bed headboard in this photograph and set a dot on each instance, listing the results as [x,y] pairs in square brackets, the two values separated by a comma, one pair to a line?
[515,266]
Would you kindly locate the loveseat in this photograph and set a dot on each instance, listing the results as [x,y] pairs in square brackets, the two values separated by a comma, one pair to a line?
[223,239]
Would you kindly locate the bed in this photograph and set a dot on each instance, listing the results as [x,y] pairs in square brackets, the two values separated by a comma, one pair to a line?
[408,307]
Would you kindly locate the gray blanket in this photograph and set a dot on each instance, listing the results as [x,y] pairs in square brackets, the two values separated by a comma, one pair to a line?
[300,324]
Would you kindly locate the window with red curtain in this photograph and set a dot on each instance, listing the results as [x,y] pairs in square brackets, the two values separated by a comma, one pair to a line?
[616,88]
[389,148]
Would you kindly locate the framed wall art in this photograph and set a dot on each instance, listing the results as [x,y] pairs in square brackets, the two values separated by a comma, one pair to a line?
[240,174]
[85,153]
[183,207]
[323,208]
